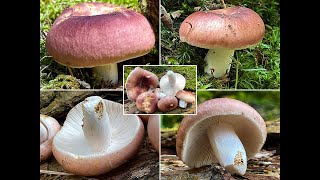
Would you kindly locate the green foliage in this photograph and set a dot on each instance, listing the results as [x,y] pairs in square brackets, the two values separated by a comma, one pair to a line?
[253,68]
[189,73]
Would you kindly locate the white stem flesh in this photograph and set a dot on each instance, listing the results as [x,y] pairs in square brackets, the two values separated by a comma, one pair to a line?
[218,62]
[108,72]
[43,133]
[172,78]
[182,104]
[96,124]
[228,148]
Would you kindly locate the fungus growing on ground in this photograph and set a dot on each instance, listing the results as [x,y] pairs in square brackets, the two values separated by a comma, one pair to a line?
[140,81]
[224,131]
[99,35]
[147,102]
[222,31]
[49,127]
[167,103]
[185,97]
[96,137]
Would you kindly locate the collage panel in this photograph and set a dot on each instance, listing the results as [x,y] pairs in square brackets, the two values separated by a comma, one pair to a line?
[236,44]
[84,43]
[160,89]
[236,134]
[84,135]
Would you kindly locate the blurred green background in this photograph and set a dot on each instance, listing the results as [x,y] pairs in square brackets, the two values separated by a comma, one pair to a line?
[188,72]
[267,103]
[252,68]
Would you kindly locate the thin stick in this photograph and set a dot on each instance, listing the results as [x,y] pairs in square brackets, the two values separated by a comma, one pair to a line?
[70,71]
[224,5]
[55,173]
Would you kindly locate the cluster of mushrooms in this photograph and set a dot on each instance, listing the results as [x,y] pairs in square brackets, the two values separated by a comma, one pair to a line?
[99,35]
[96,137]
[142,87]
[224,131]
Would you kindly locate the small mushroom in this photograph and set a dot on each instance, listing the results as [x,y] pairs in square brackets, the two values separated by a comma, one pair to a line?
[99,35]
[185,97]
[147,102]
[49,127]
[159,93]
[154,131]
[171,83]
[222,31]
[140,81]
[96,137]
[224,131]
[168,103]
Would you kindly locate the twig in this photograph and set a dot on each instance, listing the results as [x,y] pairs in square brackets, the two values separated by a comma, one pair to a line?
[70,71]
[55,173]
[223,4]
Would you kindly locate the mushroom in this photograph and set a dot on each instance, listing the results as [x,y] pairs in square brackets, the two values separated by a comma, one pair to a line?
[147,102]
[48,129]
[153,129]
[139,81]
[171,83]
[185,97]
[224,130]
[167,103]
[96,137]
[159,93]
[144,118]
[99,35]
[222,31]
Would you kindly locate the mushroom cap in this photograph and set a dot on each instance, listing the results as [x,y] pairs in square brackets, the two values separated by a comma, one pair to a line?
[186,96]
[147,102]
[74,154]
[51,126]
[95,34]
[172,89]
[230,28]
[154,131]
[167,103]
[139,81]
[192,143]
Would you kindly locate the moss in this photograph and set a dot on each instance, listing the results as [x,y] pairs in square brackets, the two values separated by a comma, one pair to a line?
[62,82]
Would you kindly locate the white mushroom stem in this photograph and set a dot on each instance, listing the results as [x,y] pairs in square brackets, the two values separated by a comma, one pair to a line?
[182,103]
[108,72]
[218,62]
[228,148]
[161,95]
[96,123]
[43,133]
[171,77]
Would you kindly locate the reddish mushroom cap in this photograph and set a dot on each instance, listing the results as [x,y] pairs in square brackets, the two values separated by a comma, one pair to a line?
[49,127]
[95,34]
[231,28]
[154,131]
[192,143]
[186,96]
[167,103]
[139,81]
[147,102]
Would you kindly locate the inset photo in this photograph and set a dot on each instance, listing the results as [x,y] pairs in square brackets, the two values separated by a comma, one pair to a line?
[84,135]
[84,43]
[160,89]
[235,135]
[235,43]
